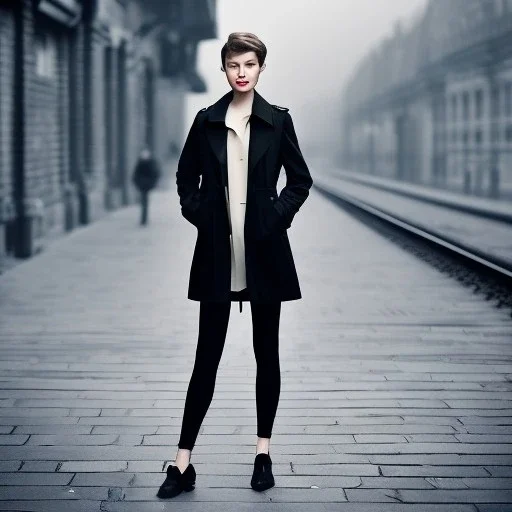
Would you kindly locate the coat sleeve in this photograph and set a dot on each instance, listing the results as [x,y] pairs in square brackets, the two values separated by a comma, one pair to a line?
[298,177]
[189,172]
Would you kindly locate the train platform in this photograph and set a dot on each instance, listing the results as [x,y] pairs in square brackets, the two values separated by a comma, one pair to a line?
[482,226]
[396,379]
[498,209]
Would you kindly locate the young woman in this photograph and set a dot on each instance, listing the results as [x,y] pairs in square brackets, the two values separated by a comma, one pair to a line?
[226,179]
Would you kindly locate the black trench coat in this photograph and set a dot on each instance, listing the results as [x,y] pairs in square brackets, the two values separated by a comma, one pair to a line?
[202,180]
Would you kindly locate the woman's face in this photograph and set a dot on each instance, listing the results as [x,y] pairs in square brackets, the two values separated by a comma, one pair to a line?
[242,71]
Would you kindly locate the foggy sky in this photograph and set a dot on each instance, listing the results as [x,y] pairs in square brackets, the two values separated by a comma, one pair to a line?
[312,49]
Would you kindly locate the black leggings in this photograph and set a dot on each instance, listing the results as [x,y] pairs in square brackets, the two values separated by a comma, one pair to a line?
[213,325]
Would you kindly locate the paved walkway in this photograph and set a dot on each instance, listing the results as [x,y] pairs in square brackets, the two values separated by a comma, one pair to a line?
[396,381]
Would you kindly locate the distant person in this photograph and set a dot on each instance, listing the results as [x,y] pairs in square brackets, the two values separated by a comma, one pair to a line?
[145,178]
[226,181]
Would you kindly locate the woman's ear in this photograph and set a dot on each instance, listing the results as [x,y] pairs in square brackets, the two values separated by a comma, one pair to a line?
[263,66]
[222,69]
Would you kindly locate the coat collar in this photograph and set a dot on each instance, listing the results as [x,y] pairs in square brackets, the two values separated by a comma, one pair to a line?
[262,131]
[260,108]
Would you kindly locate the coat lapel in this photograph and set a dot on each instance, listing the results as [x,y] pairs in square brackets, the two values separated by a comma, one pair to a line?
[260,139]
[217,137]
[262,130]
[216,133]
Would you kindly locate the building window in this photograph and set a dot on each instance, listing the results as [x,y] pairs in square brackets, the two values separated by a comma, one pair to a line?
[465,137]
[478,136]
[454,136]
[495,133]
[495,102]
[454,108]
[46,55]
[465,106]
[479,103]
[508,133]
[508,99]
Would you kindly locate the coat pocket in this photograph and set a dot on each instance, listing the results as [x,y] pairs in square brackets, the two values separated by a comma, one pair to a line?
[270,220]
[198,215]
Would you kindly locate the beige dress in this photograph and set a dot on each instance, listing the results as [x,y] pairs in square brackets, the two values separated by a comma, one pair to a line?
[237,121]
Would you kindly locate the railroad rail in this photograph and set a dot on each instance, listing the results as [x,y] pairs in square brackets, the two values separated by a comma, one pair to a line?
[479,260]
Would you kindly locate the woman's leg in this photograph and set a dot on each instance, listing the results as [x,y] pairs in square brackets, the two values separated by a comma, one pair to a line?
[265,325]
[213,325]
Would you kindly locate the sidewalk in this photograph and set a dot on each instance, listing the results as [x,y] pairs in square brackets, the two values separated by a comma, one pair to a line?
[395,389]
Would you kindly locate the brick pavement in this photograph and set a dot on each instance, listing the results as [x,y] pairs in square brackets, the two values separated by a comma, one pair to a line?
[395,380]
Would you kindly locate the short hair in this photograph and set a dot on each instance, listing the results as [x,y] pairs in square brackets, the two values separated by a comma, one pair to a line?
[242,42]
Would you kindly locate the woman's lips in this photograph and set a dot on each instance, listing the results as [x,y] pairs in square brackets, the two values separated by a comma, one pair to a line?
[242,83]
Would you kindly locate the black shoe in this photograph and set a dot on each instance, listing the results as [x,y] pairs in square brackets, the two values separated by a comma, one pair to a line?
[262,477]
[177,481]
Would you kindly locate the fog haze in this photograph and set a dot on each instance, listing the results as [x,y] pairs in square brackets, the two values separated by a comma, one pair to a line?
[312,49]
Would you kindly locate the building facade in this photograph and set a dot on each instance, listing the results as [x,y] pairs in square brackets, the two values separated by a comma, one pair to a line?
[84,86]
[433,104]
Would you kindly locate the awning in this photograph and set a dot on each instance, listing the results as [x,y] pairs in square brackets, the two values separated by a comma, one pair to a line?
[67,12]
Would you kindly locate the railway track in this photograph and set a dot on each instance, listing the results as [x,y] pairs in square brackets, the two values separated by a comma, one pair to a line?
[486,274]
